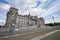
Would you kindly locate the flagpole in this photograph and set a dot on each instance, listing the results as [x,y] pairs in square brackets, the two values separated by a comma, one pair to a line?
[53,19]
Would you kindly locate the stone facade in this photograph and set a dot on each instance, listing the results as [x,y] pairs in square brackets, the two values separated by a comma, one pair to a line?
[14,20]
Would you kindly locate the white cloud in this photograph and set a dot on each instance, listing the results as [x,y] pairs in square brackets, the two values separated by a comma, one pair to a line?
[52,21]
[3,9]
[4,6]
[46,2]
[51,10]
[0,14]
[22,4]
[53,3]
[37,11]
[25,6]
[48,21]
[2,22]
[57,19]
[55,16]
[43,0]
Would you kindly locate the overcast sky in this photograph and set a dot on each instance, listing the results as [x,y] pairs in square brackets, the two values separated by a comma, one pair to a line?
[41,8]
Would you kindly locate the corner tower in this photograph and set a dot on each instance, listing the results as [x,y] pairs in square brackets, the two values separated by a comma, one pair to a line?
[12,19]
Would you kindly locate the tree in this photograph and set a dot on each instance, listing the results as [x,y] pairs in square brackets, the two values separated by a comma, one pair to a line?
[0,25]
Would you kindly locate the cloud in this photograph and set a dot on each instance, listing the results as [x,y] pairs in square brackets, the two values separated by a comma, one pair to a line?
[4,6]
[55,16]
[57,19]
[48,21]
[51,10]
[3,10]
[0,14]
[25,6]
[2,22]
[43,0]
[37,11]
[51,20]
[22,4]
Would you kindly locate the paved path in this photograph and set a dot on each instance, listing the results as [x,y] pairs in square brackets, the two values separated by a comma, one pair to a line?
[23,36]
[45,35]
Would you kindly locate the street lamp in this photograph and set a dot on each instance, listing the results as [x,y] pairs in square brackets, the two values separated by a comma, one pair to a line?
[53,19]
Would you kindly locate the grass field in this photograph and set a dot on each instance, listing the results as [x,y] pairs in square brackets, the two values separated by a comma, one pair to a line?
[55,36]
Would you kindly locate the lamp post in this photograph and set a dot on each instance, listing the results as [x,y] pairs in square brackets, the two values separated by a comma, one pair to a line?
[53,19]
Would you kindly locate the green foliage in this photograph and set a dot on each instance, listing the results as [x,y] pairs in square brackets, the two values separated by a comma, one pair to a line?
[0,25]
[54,24]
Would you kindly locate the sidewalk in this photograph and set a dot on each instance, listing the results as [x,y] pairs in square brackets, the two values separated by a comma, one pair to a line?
[45,35]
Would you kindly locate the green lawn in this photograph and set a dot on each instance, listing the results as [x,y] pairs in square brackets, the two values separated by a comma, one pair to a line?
[55,36]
